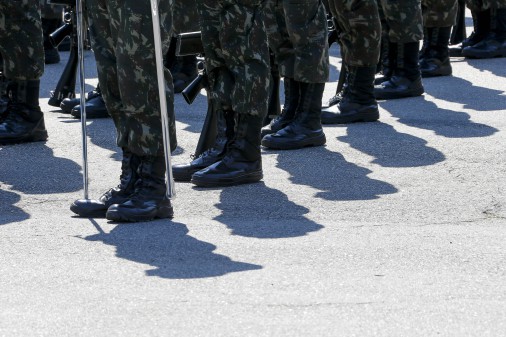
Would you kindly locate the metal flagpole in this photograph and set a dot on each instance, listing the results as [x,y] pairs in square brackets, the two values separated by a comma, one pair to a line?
[80,49]
[169,179]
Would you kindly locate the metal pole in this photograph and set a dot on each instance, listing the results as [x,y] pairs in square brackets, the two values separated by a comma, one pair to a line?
[80,51]
[169,179]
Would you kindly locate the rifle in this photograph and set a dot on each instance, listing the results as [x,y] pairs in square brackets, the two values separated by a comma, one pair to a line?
[191,44]
[65,88]
[334,36]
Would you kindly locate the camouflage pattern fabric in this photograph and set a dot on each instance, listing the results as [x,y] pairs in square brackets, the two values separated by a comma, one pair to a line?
[121,34]
[439,13]
[185,16]
[21,40]
[481,5]
[51,11]
[361,30]
[237,54]
[297,33]
[403,20]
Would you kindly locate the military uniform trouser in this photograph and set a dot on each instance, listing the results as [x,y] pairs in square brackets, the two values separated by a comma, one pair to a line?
[50,11]
[121,34]
[237,54]
[403,19]
[297,33]
[360,23]
[481,5]
[185,16]
[21,40]
[439,13]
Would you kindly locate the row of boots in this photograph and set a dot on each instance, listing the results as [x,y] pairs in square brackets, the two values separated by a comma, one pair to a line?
[488,39]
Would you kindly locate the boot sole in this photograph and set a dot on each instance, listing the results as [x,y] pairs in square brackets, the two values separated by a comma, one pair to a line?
[410,93]
[310,142]
[40,136]
[247,178]
[161,213]
[367,115]
[98,213]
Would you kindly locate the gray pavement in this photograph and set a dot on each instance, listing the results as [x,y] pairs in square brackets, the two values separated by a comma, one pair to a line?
[394,228]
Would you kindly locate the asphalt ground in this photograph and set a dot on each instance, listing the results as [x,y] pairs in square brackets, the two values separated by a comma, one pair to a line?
[394,228]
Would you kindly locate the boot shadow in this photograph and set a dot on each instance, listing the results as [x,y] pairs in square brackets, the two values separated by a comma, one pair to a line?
[33,169]
[269,216]
[9,212]
[459,90]
[167,247]
[336,178]
[494,66]
[428,116]
[389,147]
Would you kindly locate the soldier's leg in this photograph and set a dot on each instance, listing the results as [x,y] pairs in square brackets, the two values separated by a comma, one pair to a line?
[493,44]
[51,19]
[360,23]
[308,69]
[405,24]
[237,60]
[138,87]
[439,17]
[23,65]
[282,48]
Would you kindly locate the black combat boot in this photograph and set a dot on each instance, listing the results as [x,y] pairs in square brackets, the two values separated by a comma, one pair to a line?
[292,95]
[116,195]
[149,200]
[406,80]
[4,98]
[185,73]
[358,103]
[23,121]
[481,24]
[51,55]
[242,162]
[494,43]
[435,59]
[95,106]
[67,104]
[306,128]
[387,62]
[226,124]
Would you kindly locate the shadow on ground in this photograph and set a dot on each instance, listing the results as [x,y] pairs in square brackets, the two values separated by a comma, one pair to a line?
[167,247]
[265,213]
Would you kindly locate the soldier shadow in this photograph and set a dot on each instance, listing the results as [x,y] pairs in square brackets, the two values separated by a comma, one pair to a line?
[428,116]
[167,247]
[495,66]
[389,147]
[33,169]
[337,179]
[458,90]
[9,212]
[269,216]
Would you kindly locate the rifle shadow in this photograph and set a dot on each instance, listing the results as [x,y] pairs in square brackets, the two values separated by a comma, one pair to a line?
[334,177]
[269,216]
[389,147]
[169,250]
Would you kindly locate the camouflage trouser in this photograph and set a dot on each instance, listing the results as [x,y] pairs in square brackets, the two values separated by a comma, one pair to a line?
[237,54]
[121,34]
[21,40]
[403,20]
[297,33]
[439,13]
[481,5]
[50,11]
[185,17]
[361,30]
